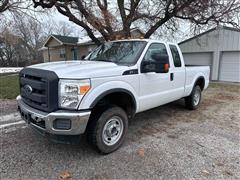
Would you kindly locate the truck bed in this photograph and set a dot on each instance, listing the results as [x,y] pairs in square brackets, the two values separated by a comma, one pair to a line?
[192,72]
[190,65]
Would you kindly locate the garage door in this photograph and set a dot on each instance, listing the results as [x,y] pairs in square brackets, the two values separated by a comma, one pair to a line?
[230,67]
[203,59]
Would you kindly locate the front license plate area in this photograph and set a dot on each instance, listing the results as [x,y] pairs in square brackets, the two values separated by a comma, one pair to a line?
[25,116]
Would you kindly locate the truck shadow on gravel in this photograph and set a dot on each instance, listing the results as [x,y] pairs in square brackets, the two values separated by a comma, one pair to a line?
[153,122]
[159,120]
[144,124]
[156,121]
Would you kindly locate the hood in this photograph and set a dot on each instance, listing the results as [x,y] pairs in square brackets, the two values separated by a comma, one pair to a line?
[82,69]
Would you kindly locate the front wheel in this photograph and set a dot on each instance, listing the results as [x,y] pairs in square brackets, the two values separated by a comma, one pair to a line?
[193,100]
[107,132]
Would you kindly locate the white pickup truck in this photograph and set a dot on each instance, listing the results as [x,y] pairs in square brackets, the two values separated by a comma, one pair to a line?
[100,94]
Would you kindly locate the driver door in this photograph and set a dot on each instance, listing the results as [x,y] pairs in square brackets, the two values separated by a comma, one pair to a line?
[154,87]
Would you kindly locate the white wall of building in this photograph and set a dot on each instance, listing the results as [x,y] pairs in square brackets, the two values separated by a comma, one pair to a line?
[218,42]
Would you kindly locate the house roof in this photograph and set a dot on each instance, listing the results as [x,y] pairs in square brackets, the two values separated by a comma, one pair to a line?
[86,40]
[69,40]
[210,30]
[66,39]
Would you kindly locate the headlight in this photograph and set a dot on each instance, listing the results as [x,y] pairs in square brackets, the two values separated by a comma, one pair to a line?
[71,92]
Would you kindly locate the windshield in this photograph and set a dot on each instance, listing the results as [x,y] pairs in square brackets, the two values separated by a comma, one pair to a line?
[120,52]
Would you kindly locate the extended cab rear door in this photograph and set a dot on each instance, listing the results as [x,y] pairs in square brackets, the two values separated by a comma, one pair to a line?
[178,74]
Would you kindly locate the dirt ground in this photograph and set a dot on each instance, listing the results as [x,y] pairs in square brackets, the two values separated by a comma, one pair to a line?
[7,106]
[168,142]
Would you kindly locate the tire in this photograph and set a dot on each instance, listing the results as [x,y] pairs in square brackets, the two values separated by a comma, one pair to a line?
[107,129]
[192,102]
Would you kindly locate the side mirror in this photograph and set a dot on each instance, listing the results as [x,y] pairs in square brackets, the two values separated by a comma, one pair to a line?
[148,67]
[161,61]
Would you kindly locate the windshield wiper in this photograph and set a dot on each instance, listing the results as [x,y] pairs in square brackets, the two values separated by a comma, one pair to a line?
[105,60]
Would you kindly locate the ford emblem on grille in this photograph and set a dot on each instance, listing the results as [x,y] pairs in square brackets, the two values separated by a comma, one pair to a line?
[28,89]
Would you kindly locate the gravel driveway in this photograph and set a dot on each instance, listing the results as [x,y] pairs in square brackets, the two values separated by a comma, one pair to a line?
[168,142]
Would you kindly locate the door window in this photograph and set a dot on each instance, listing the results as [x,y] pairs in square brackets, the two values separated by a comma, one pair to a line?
[155,64]
[176,56]
[155,47]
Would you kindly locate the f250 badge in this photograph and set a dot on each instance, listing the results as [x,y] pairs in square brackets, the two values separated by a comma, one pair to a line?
[28,89]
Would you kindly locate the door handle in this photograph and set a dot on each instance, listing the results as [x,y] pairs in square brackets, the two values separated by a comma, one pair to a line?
[171,76]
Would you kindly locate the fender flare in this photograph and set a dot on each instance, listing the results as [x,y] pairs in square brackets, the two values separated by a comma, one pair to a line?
[200,77]
[114,91]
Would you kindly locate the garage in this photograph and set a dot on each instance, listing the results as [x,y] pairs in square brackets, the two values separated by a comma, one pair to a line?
[203,59]
[230,67]
[219,48]
[200,59]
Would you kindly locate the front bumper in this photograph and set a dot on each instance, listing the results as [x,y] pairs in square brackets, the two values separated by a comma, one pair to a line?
[45,121]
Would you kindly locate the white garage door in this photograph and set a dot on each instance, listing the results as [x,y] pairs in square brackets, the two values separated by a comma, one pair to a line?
[230,67]
[203,59]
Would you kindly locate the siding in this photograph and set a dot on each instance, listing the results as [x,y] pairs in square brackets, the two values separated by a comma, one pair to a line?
[55,52]
[84,50]
[217,40]
[53,42]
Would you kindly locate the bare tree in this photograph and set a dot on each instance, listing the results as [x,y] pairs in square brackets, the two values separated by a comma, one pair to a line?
[15,6]
[6,51]
[61,28]
[12,52]
[20,41]
[4,5]
[30,34]
[10,8]
[115,18]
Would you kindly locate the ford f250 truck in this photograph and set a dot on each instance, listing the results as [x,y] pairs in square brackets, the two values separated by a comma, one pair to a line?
[100,94]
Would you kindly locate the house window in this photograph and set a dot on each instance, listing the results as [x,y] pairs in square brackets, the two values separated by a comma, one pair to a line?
[62,53]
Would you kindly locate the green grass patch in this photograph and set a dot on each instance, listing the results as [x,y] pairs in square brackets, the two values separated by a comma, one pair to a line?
[6,74]
[9,86]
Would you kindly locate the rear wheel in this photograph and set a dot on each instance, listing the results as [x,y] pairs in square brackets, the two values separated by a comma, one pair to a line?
[107,131]
[193,100]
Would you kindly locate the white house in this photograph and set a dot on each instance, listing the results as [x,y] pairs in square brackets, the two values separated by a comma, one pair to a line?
[219,48]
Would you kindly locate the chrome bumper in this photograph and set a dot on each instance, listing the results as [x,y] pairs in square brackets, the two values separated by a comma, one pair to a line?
[44,121]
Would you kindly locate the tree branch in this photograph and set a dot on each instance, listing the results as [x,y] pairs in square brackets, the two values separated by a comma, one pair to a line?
[4,5]
[66,12]
[91,19]
[106,15]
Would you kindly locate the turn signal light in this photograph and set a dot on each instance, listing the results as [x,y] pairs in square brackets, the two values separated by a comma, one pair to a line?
[84,89]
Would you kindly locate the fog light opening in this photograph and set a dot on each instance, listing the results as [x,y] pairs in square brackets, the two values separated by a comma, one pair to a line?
[62,124]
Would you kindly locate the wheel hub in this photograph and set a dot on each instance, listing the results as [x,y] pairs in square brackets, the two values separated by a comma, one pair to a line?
[112,130]
[196,98]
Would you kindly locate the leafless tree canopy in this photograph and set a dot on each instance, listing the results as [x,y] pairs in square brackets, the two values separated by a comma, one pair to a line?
[20,41]
[4,5]
[14,5]
[115,18]
[23,36]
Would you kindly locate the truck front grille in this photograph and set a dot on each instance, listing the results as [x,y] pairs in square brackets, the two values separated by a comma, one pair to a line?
[39,89]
